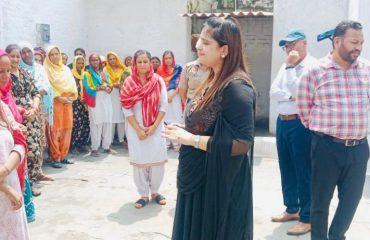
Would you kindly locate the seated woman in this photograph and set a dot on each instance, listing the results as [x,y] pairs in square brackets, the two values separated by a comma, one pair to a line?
[144,103]
[13,147]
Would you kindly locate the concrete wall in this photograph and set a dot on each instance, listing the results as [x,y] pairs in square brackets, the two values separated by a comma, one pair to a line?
[18,19]
[154,25]
[100,26]
[313,17]
[258,38]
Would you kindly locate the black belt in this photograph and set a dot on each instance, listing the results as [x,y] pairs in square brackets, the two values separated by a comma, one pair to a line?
[346,142]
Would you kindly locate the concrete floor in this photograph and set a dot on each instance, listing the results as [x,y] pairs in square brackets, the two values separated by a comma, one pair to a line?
[93,199]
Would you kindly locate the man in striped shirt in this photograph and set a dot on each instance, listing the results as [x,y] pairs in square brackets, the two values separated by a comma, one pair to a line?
[333,102]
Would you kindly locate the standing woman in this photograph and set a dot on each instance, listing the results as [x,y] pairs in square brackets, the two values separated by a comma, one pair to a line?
[115,68]
[65,92]
[171,72]
[27,98]
[127,71]
[97,88]
[7,98]
[13,147]
[45,116]
[214,179]
[144,103]
[81,124]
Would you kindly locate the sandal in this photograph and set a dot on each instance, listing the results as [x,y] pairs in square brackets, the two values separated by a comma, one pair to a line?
[44,177]
[159,199]
[141,203]
[94,153]
[35,192]
[110,151]
[56,165]
[67,161]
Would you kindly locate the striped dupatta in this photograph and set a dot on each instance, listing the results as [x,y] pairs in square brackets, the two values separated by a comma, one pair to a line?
[133,91]
[91,81]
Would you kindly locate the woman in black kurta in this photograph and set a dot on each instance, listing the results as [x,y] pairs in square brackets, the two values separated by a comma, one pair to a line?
[214,179]
[81,123]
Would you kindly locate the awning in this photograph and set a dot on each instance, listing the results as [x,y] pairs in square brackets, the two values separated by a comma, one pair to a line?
[233,14]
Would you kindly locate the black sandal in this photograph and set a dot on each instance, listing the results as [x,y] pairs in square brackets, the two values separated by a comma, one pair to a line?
[142,203]
[159,198]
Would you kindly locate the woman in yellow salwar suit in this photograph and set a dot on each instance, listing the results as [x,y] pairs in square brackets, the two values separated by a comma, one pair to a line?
[65,92]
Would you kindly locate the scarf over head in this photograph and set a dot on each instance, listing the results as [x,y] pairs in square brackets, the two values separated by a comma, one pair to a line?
[60,76]
[91,81]
[76,74]
[7,97]
[171,76]
[115,76]
[133,91]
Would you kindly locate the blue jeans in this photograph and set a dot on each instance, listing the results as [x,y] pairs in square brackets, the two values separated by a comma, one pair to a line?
[293,145]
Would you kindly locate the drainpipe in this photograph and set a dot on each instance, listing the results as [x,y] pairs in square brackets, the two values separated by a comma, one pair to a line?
[353,9]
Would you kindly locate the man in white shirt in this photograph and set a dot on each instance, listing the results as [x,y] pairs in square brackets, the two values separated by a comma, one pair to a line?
[292,138]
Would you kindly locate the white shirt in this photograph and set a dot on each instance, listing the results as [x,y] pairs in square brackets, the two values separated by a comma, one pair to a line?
[285,85]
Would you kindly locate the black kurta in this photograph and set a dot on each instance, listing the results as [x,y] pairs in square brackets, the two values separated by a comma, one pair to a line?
[214,200]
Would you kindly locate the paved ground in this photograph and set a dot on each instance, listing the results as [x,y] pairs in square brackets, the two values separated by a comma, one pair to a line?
[93,199]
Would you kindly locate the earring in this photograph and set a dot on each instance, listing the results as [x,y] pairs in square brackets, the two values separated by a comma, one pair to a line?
[223,56]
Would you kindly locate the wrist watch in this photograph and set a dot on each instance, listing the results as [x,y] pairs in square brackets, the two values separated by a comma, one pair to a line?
[196,141]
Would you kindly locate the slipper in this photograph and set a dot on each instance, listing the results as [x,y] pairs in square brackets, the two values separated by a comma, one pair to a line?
[110,151]
[142,202]
[159,199]
[35,192]
[56,165]
[94,153]
[67,161]
[43,177]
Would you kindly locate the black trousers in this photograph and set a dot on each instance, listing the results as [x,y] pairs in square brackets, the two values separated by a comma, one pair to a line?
[335,165]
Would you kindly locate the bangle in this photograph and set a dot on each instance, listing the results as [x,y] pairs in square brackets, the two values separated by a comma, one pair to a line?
[156,126]
[6,169]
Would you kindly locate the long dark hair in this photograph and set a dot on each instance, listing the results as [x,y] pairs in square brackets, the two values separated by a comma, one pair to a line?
[225,32]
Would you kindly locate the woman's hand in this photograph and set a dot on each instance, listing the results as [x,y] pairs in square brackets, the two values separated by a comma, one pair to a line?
[151,130]
[173,132]
[141,134]
[14,197]
[23,129]
[30,114]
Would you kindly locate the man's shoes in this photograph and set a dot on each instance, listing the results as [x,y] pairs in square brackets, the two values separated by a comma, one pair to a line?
[299,229]
[110,151]
[285,217]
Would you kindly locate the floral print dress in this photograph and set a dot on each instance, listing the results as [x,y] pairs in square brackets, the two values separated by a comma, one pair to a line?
[81,124]
[24,91]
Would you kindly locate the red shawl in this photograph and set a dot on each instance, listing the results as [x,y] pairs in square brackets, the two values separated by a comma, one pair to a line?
[19,139]
[132,91]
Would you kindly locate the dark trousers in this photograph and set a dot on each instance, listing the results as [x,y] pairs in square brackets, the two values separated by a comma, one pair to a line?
[334,164]
[293,145]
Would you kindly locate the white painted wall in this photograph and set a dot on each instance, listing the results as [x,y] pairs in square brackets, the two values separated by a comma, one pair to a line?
[100,26]
[154,25]
[67,19]
[313,17]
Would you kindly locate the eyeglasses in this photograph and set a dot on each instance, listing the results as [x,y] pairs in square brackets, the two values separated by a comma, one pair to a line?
[289,45]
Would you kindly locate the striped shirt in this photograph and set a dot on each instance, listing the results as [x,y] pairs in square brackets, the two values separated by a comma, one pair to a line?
[335,101]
